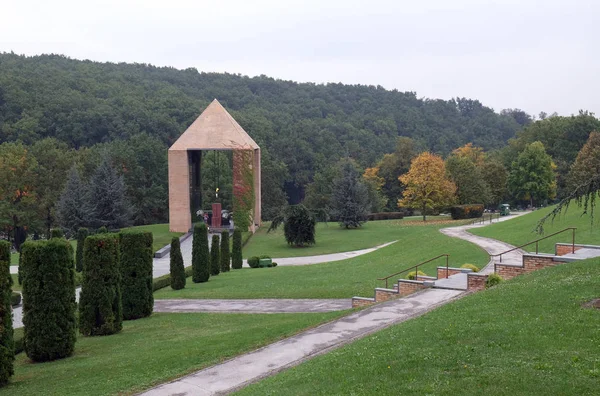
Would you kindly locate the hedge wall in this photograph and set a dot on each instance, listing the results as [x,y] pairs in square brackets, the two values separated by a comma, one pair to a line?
[100,310]
[215,256]
[200,254]
[176,269]
[225,254]
[136,274]
[472,211]
[236,251]
[7,348]
[48,299]
[165,280]
[385,216]
[82,233]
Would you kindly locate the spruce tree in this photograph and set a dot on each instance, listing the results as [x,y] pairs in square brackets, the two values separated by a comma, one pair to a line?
[225,254]
[350,197]
[7,351]
[48,299]
[215,256]
[200,254]
[100,309]
[136,274]
[82,233]
[107,202]
[177,269]
[72,209]
[236,250]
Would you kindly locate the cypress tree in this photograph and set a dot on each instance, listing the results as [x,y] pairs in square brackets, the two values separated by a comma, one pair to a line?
[136,274]
[215,256]
[236,252]
[82,233]
[100,310]
[7,348]
[225,255]
[48,299]
[200,254]
[176,265]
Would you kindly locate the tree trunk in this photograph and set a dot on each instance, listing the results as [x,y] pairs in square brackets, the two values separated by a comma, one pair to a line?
[423,213]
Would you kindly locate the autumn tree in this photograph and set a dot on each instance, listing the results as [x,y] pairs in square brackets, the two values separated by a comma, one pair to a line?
[374,184]
[474,154]
[532,175]
[427,186]
[394,164]
[587,163]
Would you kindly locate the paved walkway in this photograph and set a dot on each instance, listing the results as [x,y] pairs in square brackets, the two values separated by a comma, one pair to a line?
[254,306]
[245,369]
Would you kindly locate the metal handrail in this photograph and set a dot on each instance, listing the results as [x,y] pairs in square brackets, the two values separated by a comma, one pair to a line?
[482,219]
[537,243]
[416,268]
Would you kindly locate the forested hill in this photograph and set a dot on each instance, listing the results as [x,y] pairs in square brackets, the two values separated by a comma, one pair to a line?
[304,125]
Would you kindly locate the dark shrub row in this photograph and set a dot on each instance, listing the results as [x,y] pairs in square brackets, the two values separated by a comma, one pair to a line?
[136,274]
[215,256]
[471,211]
[225,254]
[236,250]
[385,216]
[7,351]
[165,280]
[200,254]
[254,262]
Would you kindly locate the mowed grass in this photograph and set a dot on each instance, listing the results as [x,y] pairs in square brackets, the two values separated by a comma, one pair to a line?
[520,230]
[341,279]
[330,238]
[160,233]
[154,350]
[528,336]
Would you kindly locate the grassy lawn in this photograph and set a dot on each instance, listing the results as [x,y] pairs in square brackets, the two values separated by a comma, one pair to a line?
[340,279]
[520,230]
[330,237]
[154,350]
[160,232]
[528,336]
[14,259]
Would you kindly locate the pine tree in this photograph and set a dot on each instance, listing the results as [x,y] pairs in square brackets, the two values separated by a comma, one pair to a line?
[350,198]
[7,352]
[136,274]
[109,207]
[236,252]
[48,299]
[177,268]
[200,254]
[215,256]
[225,254]
[82,233]
[72,209]
[100,309]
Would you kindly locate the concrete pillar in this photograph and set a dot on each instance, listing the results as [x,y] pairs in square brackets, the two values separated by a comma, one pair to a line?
[180,219]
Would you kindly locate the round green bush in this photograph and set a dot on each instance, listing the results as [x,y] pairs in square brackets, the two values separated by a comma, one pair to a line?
[413,275]
[472,267]
[493,280]
[274,264]
[253,261]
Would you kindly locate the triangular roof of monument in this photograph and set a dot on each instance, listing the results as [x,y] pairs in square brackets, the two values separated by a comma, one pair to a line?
[214,129]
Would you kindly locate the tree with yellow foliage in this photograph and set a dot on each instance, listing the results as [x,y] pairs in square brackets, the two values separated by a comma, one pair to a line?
[427,186]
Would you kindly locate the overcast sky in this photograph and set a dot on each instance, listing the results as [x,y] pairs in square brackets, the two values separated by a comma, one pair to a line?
[528,54]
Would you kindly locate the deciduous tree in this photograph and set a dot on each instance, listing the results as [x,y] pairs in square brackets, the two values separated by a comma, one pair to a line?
[532,175]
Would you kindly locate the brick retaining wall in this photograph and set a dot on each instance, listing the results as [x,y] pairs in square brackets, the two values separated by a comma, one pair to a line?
[476,282]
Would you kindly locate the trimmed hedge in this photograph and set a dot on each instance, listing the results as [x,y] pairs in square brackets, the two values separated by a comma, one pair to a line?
[236,251]
[48,299]
[215,256]
[385,216]
[56,233]
[472,211]
[253,261]
[82,233]
[225,254]
[165,280]
[136,274]
[176,269]
[200,254]
[472,267]
[100,309]
[7,348]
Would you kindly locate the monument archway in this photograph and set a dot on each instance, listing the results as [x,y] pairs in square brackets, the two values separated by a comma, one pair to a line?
[214,130]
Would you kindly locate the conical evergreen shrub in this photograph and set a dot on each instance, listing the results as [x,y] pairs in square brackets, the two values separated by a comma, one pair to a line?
[48,299]
[136,274]
[7,347]
[100,310]
[236,250]
[82,233]
[215,256]
[177,268]
[225,254]
[200,254]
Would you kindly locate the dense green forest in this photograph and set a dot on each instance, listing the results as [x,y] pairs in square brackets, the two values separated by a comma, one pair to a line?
[57,112]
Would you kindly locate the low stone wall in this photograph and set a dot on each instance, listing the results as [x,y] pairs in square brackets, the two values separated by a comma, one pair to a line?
[560,249]
[531,262]
[361,302]
[425,278]
[382,295]
[441,272]
[407,287]
[476,282]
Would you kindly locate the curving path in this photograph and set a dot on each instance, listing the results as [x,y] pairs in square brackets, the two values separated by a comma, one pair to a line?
[282,305]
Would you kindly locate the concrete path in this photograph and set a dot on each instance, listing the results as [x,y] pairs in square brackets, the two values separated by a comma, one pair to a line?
[245,369]
[254,306]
